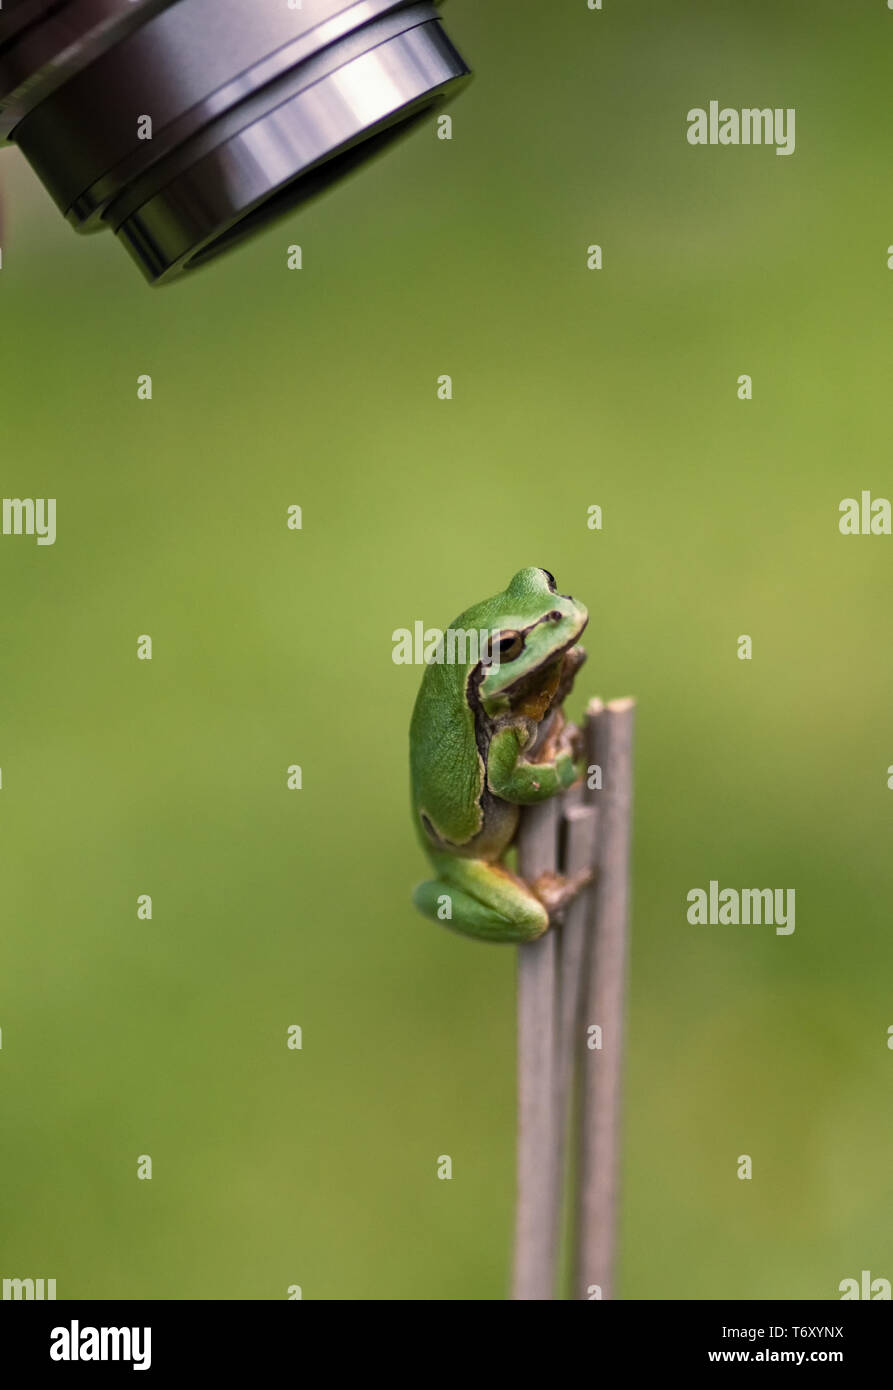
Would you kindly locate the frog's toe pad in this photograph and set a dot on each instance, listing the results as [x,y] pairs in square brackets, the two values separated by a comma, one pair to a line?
[556,892]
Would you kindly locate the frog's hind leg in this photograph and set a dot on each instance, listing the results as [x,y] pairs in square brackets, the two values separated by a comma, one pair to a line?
[481,899]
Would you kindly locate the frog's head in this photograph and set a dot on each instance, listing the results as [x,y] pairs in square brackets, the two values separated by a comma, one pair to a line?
[534,629]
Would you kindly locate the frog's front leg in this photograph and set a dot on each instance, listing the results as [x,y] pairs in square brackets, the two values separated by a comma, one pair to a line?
[514,778]
[481,899]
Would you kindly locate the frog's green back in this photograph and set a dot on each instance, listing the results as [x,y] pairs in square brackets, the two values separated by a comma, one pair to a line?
[446,768]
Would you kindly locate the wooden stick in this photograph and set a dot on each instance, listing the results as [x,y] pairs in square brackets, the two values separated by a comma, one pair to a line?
[600,1092]
[536,1223]
[580,850]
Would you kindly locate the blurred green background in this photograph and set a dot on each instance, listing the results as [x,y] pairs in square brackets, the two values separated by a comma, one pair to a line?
[271,907]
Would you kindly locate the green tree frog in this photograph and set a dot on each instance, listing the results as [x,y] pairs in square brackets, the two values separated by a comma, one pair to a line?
[488,736]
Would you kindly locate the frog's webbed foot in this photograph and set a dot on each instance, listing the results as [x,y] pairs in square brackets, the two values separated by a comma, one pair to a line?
[557,891]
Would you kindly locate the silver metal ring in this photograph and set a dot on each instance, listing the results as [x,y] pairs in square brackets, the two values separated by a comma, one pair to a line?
[186,124]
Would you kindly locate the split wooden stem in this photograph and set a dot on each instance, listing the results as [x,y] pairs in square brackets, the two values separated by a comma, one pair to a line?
[570,1014]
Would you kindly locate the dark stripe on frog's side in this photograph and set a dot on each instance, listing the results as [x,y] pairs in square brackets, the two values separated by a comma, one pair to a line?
[498,818]
[487,800]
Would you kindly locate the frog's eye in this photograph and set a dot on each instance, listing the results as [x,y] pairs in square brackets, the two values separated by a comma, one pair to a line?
[508,645]
[551,580]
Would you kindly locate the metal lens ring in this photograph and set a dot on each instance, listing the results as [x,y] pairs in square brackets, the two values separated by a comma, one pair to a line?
[186,124]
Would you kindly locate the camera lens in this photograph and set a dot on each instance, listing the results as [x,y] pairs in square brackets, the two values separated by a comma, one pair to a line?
[185,125]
